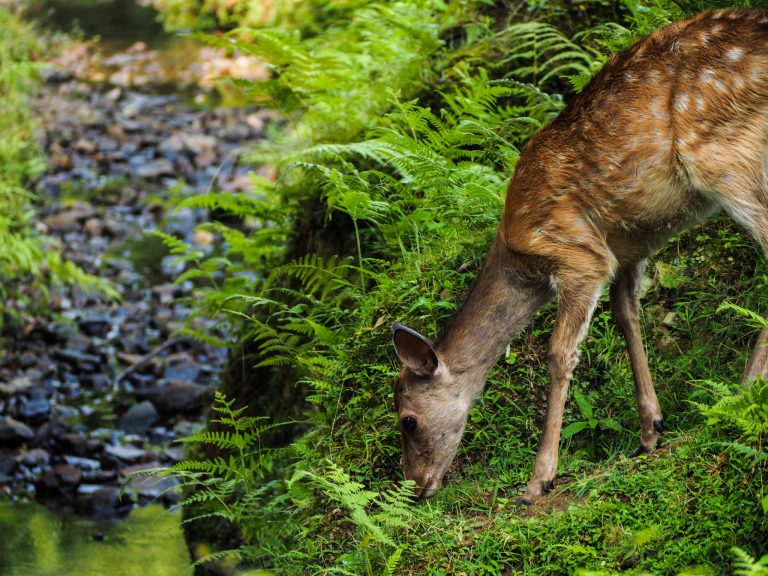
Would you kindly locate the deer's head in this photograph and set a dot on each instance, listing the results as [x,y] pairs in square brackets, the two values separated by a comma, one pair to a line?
[432,405]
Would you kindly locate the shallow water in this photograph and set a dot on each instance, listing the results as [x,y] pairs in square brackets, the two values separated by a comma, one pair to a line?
[37,542]
[117,23]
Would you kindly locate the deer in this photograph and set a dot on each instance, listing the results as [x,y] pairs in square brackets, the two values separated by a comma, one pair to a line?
[669,132]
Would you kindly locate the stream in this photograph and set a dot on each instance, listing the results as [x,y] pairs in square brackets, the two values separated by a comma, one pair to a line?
[101,389]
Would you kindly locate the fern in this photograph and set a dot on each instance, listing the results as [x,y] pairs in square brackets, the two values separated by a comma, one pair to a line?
[746,565]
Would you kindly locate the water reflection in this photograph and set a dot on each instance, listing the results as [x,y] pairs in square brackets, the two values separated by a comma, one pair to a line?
[36,542]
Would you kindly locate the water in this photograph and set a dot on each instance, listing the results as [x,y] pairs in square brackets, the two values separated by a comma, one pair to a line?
[37,542]
[117,23]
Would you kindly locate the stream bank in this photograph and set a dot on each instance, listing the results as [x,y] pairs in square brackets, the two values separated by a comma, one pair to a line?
[100,389]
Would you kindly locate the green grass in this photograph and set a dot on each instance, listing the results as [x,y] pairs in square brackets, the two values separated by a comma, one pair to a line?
[408,187]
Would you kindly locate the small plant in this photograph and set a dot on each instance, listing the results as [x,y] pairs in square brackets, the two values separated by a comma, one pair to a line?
[590,422]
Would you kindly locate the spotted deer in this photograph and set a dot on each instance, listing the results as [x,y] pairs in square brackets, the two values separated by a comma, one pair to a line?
[669,132]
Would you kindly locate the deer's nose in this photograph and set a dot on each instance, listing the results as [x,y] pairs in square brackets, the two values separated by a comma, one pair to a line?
[427,488]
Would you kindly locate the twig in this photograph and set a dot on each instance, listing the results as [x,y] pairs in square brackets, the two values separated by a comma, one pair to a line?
[146,358]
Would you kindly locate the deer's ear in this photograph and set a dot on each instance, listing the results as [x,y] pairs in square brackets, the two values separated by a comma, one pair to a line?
[414,350]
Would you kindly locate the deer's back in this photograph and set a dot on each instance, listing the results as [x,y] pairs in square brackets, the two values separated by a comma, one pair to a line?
[671,129]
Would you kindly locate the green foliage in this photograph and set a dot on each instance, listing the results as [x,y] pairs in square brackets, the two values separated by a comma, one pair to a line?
[404,122]
[745,565]
[29,261]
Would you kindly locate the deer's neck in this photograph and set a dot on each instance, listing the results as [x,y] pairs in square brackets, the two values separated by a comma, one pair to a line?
[497,308]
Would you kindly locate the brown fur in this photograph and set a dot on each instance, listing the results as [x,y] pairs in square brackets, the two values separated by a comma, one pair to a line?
[670,131]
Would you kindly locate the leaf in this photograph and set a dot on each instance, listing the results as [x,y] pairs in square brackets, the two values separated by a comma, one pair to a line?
[584,405]
[573,428]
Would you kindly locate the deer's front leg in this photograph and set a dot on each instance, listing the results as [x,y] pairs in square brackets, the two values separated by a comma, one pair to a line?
[575,308]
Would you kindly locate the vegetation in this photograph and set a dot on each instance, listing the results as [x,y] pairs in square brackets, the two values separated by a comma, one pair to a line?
[404,120]
[29,263]
[403,123]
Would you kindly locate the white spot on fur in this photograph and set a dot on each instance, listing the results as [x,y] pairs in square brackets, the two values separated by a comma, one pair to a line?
[704,38]
[681,102]
[700,103]
[734,54]
[707,75]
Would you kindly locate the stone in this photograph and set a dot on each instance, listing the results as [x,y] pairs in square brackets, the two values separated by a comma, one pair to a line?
[104,502]
[83,463]
[80,444]
[69,475]
[69,220]
[155,169]
[139,418]
[35,409]
[126,453]
[85,146]
[34,457]
[16,385]
[177,396]
[13,431]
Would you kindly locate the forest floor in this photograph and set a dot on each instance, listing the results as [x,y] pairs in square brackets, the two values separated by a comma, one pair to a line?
[101,389]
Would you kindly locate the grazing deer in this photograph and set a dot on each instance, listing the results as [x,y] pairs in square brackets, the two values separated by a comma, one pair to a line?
[670,131]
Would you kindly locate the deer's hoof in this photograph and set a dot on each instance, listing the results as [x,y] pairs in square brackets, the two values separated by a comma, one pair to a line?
[639,451]
[658,425]
[548,485]
[524,501]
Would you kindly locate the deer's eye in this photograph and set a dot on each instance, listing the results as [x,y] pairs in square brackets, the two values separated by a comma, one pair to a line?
[408,423]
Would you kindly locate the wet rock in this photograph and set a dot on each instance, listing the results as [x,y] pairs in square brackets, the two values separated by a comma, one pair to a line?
[188,371]
[177,396]
[102,501]
[139,418]
[16,385]
[80,444]
[126,453]
[67,475]
[7,462]
[35,409]
[12,431]
[84,361]
[85,146]
[153,486]
[69,220]
[155,169]
[87,464]
[34,457]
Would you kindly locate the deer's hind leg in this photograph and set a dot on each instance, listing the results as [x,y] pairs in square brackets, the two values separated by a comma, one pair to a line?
[753,216]
[624,300]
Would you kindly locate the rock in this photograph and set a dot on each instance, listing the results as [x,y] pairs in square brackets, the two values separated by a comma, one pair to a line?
[166,292]
[83,463]
[80,444]
[177,396]
[153,486]
[7,462]
[16,385]
[35,409]
[13,431]
[84,361]
[34,457]
[85,146]
[104,501]
[155,169]
[126,453]
[139,418]
[69,220]
[69,475]
[188,371]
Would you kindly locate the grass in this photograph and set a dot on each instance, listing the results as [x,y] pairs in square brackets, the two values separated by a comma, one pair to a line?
[409,189]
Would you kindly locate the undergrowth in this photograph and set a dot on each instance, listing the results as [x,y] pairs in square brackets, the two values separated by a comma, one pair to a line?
[29,261]
[403,123]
